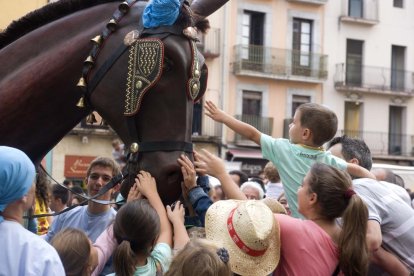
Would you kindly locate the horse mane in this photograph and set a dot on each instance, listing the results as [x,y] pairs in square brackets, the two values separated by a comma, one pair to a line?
[43,16]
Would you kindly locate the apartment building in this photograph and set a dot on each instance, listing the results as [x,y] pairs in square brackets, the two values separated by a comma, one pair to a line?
[355,56]
[273,60]
[370,44]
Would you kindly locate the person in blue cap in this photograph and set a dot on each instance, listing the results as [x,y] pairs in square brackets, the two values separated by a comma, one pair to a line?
[23,253]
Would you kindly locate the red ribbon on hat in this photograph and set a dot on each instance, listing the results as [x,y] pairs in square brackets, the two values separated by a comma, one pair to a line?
[236,239]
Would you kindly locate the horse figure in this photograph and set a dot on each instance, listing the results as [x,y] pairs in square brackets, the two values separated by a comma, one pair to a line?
[43,55]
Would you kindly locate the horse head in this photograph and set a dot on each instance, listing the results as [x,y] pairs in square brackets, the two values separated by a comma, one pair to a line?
[39,93]
[160,119]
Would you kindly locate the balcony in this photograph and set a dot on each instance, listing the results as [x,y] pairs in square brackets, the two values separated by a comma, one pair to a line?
[363,14]
[313,2]
[263,124]
[374,80]
[385,145]
[206,131]
[281,64]
[209,44]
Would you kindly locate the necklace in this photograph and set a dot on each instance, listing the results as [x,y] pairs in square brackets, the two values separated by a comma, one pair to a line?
[313,148]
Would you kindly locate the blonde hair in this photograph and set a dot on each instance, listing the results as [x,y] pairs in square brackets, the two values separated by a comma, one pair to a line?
[199,257]
[74,249]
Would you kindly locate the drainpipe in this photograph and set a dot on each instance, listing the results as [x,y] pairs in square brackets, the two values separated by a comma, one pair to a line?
[224,96]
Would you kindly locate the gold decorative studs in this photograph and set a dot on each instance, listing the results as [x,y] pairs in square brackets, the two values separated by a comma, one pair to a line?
[134,147]
[111,25]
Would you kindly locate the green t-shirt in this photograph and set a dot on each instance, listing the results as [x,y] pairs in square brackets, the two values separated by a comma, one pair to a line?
[293,162]
[161,254]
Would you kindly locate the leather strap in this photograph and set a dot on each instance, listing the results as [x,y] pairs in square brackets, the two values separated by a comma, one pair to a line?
[166,146]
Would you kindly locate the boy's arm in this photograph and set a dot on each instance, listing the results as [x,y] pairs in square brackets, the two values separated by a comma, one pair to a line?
[358,171]
[237,126]
[389,263]
[147,186]
[378,255]
[213,165]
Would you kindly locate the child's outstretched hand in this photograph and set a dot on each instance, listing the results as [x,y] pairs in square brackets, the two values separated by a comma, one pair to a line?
[208,163]
[146,184]
[134,193]
[214,112]
[188,171]
[177,214]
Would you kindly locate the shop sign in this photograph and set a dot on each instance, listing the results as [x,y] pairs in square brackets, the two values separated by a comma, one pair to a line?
[77,165]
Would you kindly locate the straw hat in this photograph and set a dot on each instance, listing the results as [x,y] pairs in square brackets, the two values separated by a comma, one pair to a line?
[274,205]
[249,231]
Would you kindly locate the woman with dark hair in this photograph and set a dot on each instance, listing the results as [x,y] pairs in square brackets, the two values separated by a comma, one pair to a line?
[143,233]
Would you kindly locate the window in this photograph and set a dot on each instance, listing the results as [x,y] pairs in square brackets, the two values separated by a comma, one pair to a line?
[197,118]
[297,100]
[252,103]
[355,8]
[252,38]
[354,59]
[397,68]
[301,46]
[352,119]
[398,3]
[395,130]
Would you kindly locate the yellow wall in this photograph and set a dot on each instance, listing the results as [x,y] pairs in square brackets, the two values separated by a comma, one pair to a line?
[14,9]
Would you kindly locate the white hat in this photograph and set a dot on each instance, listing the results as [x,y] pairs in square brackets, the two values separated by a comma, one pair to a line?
[250,233]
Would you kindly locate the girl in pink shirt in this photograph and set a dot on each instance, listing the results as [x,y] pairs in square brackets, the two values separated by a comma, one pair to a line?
[314,246]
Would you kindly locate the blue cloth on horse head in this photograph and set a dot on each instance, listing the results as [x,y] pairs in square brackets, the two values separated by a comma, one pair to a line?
[17,174]
[161,13]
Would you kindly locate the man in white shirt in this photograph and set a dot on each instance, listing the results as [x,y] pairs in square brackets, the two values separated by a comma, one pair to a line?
[390,219]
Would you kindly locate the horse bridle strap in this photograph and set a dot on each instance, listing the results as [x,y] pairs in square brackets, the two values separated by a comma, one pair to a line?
[166,146]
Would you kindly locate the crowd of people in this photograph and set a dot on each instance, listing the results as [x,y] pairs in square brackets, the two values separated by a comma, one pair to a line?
[316,212]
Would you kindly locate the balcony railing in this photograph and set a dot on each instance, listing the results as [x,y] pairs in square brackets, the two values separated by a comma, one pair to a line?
[314,2]
[207,129]
[376,79]
[383,143]
[363,13]
[209,44]
[263,124]
[279,63]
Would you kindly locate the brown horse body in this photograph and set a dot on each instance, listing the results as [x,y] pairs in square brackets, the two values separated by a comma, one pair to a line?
[38,92]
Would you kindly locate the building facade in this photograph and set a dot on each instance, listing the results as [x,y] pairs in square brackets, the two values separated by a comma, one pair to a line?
[370,82]
[273,61]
